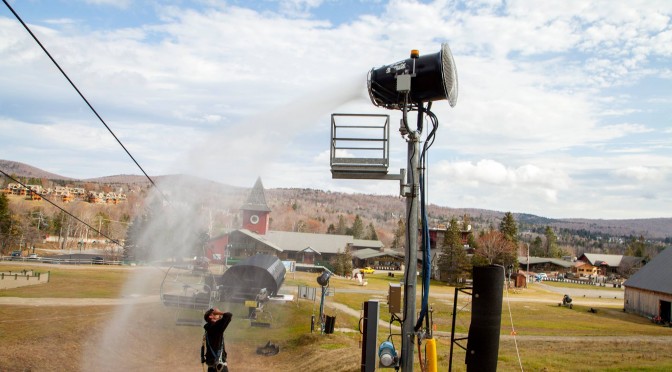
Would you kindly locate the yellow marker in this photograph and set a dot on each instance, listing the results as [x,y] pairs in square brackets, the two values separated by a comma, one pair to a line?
[430,352]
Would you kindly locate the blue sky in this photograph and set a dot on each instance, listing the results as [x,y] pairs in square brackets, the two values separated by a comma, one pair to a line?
[564,108]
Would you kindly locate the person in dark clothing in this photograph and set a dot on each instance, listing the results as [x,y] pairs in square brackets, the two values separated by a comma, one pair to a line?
[213,340]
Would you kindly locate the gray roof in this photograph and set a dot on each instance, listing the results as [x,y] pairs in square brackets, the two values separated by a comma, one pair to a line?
[296,241]
[654,276]
[260,238]
[541,260]
[376,244]
[256,201]
[363,254]
[611,260]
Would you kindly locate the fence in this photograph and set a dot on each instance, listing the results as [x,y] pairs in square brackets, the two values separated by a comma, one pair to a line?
[594,283]
[62,260]
[15,279]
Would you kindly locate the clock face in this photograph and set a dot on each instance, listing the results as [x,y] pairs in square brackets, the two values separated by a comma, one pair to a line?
[254,219]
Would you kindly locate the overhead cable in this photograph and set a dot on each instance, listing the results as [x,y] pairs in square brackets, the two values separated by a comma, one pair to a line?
[59,207]
[81,95]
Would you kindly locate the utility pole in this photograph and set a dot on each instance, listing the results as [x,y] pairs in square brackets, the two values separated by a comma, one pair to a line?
[413,181]
[527,275]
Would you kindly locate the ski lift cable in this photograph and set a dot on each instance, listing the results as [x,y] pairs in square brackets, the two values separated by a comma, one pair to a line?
[82,96]
[61,208]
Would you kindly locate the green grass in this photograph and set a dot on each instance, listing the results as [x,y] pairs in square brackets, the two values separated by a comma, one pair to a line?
[80,282]
[549,337]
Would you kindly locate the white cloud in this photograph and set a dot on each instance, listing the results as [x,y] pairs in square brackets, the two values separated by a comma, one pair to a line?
[495,173]
[298,8]
[556,98]
[123,4]
[640,173]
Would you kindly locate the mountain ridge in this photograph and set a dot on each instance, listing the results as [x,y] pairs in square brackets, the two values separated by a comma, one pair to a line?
[383,209]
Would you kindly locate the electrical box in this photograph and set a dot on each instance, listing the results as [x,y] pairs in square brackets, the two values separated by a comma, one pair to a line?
[403,83]
[394,298]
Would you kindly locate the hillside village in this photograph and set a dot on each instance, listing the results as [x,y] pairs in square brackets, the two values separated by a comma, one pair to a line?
[101,202]
[63,193]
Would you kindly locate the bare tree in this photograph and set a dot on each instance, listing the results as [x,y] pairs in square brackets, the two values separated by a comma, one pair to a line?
[495,248]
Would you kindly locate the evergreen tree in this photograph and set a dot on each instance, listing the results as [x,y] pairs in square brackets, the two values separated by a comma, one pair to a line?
[636,247]
[466,220]
[399,241]
[453,263]
[347,262]
[551,246]
[331,229]
[337,263]
[357,228]
[342,263]
[134,249]
[57,223]
[9,227]
[509,228]
[537,247]
[371,235]
[341,228]
[471,241]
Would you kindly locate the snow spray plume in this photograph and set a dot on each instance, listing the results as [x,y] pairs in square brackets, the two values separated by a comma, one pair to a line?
[173,230]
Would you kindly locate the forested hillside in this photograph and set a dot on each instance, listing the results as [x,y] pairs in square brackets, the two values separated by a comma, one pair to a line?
[304,210]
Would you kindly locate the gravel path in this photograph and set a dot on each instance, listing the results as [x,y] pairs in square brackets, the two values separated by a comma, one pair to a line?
[49,301]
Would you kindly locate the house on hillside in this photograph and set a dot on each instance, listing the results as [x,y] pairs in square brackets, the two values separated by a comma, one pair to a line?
[612,264]
[585,269]
[254,237]
[649,291]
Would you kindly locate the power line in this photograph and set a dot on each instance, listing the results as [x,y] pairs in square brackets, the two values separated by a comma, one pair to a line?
[81,95]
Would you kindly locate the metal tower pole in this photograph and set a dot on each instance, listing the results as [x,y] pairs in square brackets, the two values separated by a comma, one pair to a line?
[413,177]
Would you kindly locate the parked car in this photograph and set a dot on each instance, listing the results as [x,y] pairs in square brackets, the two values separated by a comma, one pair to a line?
[367,270]
[97,260]
[33,256]
[16,255]
[541,276]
